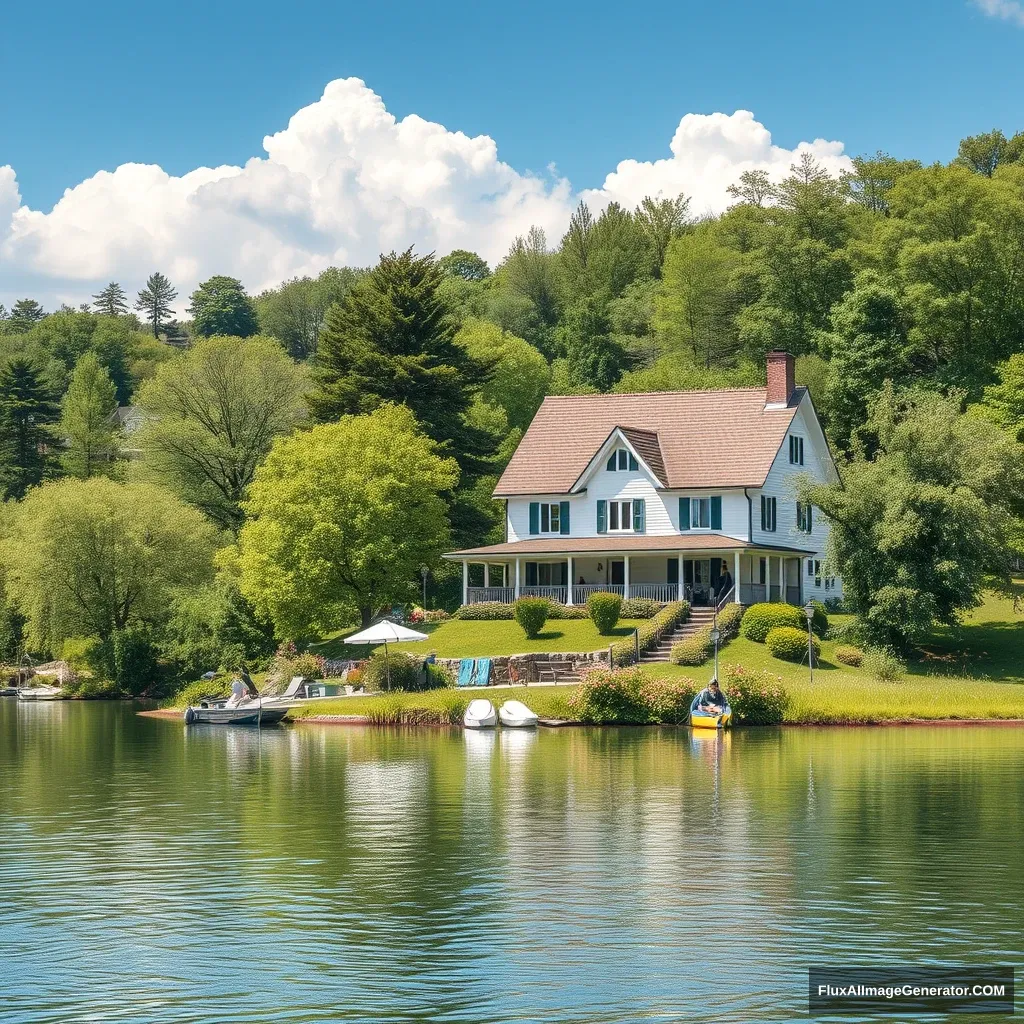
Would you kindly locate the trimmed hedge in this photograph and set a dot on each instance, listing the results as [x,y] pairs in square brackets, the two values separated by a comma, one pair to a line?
[790,643]
[604,611]
[757,697]
[639,608]
[848,655]
[531,613]
[405,672]
[650,631]
[760,619]
[698,646]
[491,611]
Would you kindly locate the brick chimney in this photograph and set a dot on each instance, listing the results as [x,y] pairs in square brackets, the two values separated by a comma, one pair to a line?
[781,379]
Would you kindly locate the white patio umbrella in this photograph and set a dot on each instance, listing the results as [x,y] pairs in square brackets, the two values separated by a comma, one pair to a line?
[385,632]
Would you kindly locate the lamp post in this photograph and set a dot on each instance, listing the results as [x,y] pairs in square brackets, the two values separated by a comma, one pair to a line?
[715,637]
[809,612]
[424,570]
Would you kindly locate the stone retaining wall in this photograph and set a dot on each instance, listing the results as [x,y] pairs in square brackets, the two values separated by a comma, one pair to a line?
[527,665]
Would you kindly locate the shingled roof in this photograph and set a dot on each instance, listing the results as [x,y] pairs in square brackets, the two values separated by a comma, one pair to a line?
[704,438]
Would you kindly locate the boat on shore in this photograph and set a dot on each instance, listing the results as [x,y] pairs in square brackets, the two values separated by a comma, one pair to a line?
[41,693]
[217,712]
[516,715]
[480,715]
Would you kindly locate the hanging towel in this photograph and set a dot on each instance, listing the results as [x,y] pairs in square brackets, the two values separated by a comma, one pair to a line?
[483,672]
[466,669]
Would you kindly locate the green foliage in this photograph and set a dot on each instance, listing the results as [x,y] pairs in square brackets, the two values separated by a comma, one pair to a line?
[848,655]
[25,314]
[86,422]
[790,643]
[487,611]
[220,306]
[406,673]
[639,608]
[650,632]
[757,697]
[593,357]
[154,302]
[604,611]
[694,649]
[340,519]
[211,417]
[884,665]
[95,557]
[819,621]
[27,409]
[111,301]
[628,696]
[729,620]
[465,265]
[193,693]
[80,651]
[759,619]
[294,313]
[531,613]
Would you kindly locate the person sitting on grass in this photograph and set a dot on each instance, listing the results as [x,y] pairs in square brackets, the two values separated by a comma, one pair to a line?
[711,699]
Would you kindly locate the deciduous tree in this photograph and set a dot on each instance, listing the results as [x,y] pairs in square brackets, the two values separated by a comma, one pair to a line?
[86,422]
[220,306]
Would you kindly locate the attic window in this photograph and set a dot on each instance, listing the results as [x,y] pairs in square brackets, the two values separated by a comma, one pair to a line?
[622,460]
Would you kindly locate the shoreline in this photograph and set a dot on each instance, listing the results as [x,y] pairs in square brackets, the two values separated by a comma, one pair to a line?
[174,713]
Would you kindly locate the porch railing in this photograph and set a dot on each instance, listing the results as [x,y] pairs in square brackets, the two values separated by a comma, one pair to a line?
[663,592]
[479,595]
[581,591]
[558,594]
[755,593]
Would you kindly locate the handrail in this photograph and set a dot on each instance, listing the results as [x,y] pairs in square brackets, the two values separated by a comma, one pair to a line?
[725,598]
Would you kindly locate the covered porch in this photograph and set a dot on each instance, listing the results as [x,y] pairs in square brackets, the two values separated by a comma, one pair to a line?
[704,570]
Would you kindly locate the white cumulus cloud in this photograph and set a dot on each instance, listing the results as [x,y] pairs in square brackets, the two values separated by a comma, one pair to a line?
[1007,10]
[345,181]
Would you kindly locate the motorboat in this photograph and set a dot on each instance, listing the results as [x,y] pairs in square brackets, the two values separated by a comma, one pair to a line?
[223,712]
[709,719]
[41,693]
[516,715]
[480,715]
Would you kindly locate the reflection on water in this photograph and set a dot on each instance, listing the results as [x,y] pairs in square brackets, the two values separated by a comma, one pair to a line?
[155,873]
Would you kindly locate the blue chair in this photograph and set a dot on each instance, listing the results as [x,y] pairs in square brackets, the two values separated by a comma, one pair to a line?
[467,668]
[483,672]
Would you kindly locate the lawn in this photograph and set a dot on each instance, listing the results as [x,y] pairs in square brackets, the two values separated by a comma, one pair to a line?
[468,639]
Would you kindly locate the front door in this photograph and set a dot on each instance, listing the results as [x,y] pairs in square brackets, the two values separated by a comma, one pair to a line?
[618,573]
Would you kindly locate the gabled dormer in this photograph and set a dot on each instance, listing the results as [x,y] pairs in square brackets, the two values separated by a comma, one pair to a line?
[626,450]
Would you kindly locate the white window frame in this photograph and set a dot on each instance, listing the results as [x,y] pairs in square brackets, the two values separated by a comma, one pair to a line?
[615,515]
[552,512]
[696,505]
[796,450]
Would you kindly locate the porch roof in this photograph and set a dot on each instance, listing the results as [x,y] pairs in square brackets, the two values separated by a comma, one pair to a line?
[626,544]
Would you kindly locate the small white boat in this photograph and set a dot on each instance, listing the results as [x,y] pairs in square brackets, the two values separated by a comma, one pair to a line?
[41,693]
[252,712]
[516,715]
[480,715]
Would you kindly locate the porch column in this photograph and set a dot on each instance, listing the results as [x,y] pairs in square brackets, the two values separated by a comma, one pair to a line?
[768,577]
[679,576]
[570,579]
[516,594]
[782,579]
[487,574]
[625,577]
[465,582]
[736,578]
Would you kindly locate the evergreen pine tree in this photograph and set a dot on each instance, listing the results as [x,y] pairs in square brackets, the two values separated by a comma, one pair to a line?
[86,422]
[25,314]
[111,301]
[155,301]
[27,408]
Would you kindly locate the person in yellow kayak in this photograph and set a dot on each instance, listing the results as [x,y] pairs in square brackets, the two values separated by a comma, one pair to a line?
[710,700]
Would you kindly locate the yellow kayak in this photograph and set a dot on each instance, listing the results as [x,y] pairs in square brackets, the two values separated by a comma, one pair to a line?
[704,720]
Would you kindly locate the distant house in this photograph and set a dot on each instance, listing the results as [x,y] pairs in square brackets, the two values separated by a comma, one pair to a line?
[670,495]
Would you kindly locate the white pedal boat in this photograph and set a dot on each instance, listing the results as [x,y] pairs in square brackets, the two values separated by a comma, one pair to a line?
[480,715]
[516,715]
[41,693]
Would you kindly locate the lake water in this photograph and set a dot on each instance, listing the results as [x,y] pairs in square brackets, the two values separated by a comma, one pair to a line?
[154,873]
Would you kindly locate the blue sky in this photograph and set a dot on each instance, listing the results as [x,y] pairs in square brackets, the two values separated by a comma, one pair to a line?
[85,88]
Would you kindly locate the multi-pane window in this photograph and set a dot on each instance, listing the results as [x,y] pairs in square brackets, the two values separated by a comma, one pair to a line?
[622,459]
[796,450]
[550,521]
[700,513]
[814,569]
[804,522]
[768,513]
[620,515]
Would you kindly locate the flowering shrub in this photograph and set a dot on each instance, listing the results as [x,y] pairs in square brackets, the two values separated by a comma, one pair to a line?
[628,696]
[669,700]
[403,670]
[311,666]
[531,613]
[435,615]
[485,610]
[604,610]
[790,644]
[848,655]
[760,619]
[757,697]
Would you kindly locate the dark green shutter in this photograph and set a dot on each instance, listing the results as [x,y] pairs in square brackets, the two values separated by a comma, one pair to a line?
[810,522]
[764,513]
[716,512]
[611,462]
[563,517]
[534,517]
[684,513]
[602,516]
[633,464]
[639,515]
